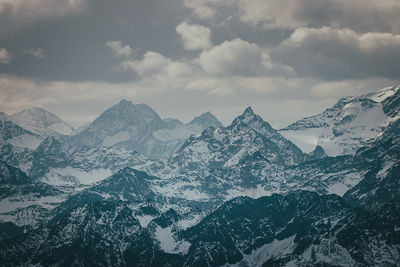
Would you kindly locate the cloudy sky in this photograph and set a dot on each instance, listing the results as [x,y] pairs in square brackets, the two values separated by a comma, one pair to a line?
[287,59]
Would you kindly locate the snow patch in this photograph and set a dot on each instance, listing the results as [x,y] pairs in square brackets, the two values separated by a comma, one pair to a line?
[384,93]
[179,133]
[327,252]
[8,205]
[254,193]
[61,128]
[145,220]
[116,138]
[25,141]
[305,140]
[168,242]
[69,175]
[276,249]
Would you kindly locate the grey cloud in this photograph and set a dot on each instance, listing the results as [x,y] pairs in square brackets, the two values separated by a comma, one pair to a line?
[20,13]
[207,9]
[332,54]
[30,10]
[75,42]
[365,16]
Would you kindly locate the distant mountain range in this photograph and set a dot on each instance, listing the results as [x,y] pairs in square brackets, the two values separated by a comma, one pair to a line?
[132,189]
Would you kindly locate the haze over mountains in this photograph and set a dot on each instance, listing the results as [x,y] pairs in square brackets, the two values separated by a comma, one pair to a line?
[135,189]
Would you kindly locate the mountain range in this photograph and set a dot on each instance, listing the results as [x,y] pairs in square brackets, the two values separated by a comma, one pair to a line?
[133,189]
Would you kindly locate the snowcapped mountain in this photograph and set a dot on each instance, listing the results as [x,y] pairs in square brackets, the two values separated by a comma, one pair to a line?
[227,146]
[41,122]
[241,195]
[350,124]
[139,127]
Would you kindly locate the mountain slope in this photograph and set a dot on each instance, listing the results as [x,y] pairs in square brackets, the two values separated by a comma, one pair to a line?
[11,133]
[350,124]
[298,229]
[11,175]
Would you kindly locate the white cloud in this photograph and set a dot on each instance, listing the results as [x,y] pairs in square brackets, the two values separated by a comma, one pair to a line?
[235,57]
[5,56]
[193,36]
[36,52]
[151,63]
[119,49]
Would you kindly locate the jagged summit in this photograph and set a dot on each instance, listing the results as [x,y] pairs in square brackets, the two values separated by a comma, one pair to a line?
[228,146]
[248,111]
[249,119]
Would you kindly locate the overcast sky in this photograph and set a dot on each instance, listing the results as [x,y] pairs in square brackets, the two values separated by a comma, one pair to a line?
[287,59]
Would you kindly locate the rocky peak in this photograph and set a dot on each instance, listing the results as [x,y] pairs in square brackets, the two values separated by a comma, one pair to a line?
[248,111]
[248,119]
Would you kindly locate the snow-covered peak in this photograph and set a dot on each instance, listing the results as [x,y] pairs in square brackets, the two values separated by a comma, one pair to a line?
[126,113]
[248,135]
[42,122]
[206,120]
[351,123]
[382,94]
[37,116]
